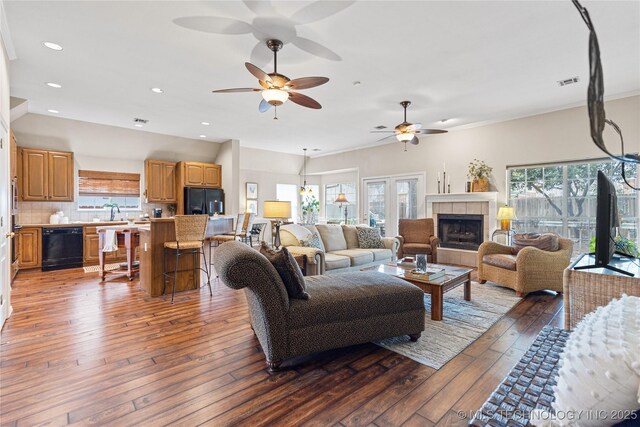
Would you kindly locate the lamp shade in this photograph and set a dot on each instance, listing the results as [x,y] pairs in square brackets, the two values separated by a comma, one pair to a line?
[342,198]
[506,212]
[275,96]
[405,136]
[277,209]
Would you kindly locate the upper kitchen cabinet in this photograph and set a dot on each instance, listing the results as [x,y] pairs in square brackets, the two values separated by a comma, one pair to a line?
[45,175]
[196,174]
[160,181]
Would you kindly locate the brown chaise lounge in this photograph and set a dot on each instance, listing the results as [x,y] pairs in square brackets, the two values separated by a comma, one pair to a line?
[342,309]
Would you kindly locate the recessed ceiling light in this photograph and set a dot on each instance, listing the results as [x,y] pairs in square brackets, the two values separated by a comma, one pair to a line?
[53,111]
[138,125]
[316,149]
[53,46]
[444,120]
[156,90]
[203,136]
[55,85]
[205,123]
[357,83]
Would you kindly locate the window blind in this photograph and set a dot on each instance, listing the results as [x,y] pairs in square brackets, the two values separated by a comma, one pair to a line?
[111,184]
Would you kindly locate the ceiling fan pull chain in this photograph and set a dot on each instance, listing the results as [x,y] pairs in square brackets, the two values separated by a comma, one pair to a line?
[275,113]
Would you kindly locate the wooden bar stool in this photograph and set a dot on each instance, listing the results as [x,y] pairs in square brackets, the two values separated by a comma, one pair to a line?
[190,236]
[221,238]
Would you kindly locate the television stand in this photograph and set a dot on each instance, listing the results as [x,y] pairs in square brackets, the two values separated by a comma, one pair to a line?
[607,266]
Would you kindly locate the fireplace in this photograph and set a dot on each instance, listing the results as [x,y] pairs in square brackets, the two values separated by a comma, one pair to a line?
[460,231]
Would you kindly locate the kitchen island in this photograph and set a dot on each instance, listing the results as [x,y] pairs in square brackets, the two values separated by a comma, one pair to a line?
[152,241]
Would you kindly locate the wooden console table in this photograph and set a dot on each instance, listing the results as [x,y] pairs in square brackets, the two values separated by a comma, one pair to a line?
[586,290]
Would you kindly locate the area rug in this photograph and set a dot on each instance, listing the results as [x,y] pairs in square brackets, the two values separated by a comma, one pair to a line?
[96,268]
[462,323]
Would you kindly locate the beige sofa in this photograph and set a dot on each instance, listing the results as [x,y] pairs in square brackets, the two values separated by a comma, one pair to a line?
[339,251]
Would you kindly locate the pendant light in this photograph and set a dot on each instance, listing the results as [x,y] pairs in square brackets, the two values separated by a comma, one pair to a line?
[304,190]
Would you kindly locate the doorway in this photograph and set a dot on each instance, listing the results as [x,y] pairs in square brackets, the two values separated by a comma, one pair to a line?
[390,199]
[5,225]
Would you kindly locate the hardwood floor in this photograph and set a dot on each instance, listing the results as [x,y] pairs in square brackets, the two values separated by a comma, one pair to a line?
[77,351]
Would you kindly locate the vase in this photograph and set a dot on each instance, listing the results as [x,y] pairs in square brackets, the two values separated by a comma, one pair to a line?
[480,185]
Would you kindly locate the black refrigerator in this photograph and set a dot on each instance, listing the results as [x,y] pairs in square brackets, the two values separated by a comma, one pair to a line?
[198,201]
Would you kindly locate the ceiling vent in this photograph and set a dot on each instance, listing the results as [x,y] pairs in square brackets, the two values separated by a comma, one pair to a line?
[570,81]
[380,127]
[140,121]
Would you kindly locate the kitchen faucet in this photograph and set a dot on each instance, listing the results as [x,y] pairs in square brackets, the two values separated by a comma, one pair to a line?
[113,214]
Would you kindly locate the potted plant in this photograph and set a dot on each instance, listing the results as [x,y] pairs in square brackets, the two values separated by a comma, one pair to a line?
[310,206]
[478,173]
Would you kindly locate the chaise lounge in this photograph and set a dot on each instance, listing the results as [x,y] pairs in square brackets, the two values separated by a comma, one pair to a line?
[342,310]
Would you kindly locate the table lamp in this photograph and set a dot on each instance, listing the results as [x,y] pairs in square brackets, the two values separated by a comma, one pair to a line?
[342,200]
[505,215]
[278,210]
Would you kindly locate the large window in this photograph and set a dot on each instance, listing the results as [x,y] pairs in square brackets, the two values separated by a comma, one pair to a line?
[288,193]
[561,198]
[97,189]
[334,212]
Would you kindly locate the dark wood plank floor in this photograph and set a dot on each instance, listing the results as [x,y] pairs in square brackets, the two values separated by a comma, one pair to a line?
[77,351]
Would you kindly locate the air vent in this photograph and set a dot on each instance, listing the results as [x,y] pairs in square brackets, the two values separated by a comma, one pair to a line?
[316,149]
[141,121]
[380,127]
[570,81]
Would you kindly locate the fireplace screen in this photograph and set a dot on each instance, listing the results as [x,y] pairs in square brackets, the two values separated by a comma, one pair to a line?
[460,231]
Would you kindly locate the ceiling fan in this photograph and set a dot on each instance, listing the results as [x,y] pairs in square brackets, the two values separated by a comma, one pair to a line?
[278,88]
[408,132]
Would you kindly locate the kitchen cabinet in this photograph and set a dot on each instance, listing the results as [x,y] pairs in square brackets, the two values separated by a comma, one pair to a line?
[30,247]
[45,175]
[196,174]
[160,181]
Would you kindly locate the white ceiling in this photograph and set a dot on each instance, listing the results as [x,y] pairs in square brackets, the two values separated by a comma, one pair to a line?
[470,62]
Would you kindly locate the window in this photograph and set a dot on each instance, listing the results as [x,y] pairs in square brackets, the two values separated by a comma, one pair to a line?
[561,198]
[97,189]
[332,211]
[310,204]
[288,193]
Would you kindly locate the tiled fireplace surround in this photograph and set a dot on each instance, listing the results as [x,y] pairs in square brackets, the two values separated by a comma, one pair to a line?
[463,203]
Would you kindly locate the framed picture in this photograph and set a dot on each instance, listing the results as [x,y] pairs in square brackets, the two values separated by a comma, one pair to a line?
[252,206]
[252,190]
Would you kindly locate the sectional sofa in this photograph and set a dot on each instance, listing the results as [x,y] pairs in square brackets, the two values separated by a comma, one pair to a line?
[339,249]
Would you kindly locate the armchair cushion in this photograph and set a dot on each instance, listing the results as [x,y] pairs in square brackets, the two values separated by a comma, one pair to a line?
[332,237]
[288,269]
[546,242]
[356,295]
[416,248]
[507,262]
[369,238]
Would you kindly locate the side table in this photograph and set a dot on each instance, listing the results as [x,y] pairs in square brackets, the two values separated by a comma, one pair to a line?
[586,290]
[508,233]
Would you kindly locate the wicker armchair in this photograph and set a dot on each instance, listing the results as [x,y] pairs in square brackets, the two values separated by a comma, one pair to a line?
[417,236]
[530,270]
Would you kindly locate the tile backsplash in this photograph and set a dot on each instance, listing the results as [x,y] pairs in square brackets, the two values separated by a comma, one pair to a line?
[39,212]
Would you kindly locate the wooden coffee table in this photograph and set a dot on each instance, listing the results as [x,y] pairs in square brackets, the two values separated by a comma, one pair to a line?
[454,276]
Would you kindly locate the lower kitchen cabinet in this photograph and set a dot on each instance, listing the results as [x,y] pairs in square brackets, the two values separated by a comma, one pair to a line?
[30,247]
[92,249]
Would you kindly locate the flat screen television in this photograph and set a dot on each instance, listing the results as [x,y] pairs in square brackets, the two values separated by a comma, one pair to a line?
[606,220]
[607,223]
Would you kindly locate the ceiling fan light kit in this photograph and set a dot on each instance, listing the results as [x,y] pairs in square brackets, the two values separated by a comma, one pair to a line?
[278,88]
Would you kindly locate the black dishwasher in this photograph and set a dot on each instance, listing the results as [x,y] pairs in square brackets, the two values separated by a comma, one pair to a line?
[61,248]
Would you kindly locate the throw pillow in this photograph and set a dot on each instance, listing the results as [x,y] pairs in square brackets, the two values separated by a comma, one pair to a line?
[599,374]
[312,242]
[546,242]
[288,269]
[369,238]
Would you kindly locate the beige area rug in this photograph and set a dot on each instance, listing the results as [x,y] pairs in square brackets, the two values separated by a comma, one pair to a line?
[96,268]
[463,322]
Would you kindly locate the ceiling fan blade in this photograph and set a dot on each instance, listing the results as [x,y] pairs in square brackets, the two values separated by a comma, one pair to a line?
[264,106]
[238,89]
[383,131]
[304,100]
[214,24]
[415,140]
[414,127]
[307,82]
[257,72]
[315,48]
[431,131]
[386,137]
[319,10]
[260,55]
[262,7]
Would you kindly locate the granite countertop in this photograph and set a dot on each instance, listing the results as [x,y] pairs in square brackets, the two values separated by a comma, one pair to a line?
[83,223]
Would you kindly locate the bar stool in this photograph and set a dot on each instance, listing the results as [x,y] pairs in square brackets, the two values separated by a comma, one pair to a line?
[221,238]
[190,236]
